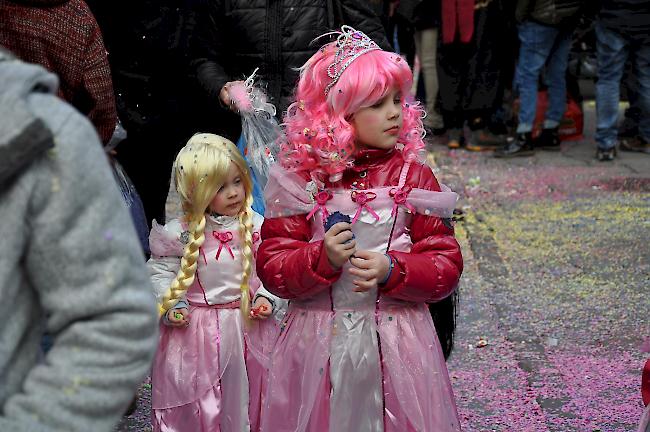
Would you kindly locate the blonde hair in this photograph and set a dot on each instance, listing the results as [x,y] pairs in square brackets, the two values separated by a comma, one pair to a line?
[200,170]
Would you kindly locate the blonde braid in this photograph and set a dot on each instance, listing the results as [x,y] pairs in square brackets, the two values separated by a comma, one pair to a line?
[185,277]
[246,233]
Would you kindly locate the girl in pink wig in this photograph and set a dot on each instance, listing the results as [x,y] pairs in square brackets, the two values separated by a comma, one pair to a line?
[358,237]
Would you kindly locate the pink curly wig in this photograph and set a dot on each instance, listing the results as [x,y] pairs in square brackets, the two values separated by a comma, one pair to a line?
[319,137]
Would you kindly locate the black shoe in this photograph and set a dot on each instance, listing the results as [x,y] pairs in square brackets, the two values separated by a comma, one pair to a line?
[522,145]
[483,140]
[455,139]
[606,155]
[549,139]
[636,144]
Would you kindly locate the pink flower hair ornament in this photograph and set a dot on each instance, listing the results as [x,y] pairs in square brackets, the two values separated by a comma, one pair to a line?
[338,80]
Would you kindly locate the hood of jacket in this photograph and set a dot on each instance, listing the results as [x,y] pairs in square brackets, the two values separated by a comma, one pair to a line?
[23,136]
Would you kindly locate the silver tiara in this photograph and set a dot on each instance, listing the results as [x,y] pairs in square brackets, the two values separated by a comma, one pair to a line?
[350,44]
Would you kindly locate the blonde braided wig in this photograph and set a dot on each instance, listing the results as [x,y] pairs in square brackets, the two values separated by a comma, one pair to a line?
[200,170]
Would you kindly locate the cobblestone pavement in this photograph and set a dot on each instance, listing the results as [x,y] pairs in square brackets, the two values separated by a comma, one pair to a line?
[557,284]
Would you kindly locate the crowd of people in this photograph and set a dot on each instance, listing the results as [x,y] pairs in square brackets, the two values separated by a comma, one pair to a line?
[489,75]
[335,309]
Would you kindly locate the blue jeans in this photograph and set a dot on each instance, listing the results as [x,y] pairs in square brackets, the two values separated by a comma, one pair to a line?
[541,45]
[613,51]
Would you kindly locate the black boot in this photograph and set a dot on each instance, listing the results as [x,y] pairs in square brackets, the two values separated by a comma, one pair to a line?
[549,139]
[522,145]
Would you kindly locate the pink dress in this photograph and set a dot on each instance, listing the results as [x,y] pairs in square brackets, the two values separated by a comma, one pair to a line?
[348,361]
[210,375]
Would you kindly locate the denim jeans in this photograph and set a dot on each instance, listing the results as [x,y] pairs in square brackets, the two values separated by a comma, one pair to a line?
[613,51]
[541,45]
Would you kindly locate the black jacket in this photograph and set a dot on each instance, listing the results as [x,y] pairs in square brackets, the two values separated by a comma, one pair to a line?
[233,37]
[147,43]
[630,18]
[549,12]
[422,14]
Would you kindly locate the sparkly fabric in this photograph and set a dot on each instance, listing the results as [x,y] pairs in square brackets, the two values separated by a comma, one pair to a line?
[211,375]
[289,194]
[350,44]
[345,361]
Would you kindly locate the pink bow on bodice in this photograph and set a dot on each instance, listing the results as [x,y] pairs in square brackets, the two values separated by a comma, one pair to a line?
[321,199]
[224,238]
[400,196]
[362,199]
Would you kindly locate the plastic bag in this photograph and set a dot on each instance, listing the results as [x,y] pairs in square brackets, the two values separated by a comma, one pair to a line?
[258,197]
[260,129]
[571,125]
[127,189]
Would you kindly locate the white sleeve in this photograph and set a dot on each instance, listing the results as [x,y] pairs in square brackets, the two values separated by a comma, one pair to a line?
[166,253]
[280,305]
[162,272]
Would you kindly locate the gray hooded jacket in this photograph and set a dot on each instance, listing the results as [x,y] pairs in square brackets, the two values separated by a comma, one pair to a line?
[70,259]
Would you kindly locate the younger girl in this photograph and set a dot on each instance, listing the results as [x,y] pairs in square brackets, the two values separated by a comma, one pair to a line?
[202,267]
[359,350]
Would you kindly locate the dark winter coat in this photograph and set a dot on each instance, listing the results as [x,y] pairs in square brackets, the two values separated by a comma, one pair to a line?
[422,14]
[630,18]
[236,36]
[146,42]
[549,12]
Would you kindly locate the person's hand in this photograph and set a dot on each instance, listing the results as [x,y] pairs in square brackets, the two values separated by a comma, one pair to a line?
[224,96]
[369,269]
[178,317]
[262,308]
[339,244]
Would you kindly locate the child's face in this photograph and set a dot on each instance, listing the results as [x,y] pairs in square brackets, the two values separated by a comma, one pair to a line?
[230,198]
[379,126]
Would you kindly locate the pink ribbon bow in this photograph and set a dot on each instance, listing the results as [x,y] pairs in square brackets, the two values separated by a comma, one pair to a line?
[224,238]
[363,198]
[321,199]
[256,237]
[399,196]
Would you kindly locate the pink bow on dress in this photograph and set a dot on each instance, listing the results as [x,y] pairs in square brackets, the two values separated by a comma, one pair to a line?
[363,198]
[224,239]
[321,199]
[399,196]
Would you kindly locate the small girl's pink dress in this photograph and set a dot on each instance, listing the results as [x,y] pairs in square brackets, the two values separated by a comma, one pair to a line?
[348,361]
[209,376]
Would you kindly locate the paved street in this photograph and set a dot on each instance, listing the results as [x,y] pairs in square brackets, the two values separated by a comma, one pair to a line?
[556,284]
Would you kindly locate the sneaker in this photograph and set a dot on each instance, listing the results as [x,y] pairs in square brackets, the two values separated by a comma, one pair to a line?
[455,139]
[636,144]
[606,155]
[484,140]
[522,145]
[549,139]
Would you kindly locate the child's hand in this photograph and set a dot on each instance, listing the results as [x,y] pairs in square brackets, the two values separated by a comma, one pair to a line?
[178,317]
[369,268]
[339,244]
[262,308]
